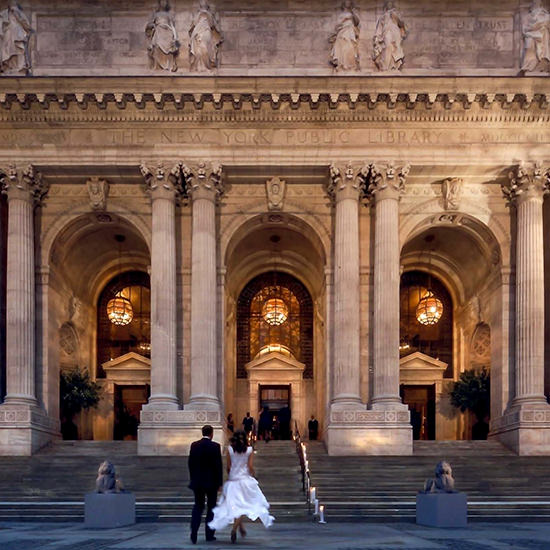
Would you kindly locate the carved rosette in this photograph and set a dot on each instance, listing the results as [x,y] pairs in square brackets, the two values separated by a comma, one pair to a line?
[165,182]
[203,180]
[526,181]
[385,181]
[346,182]
[26,184]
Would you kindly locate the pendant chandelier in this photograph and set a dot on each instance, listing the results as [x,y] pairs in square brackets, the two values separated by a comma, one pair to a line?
[119,308]
[274,311]
[429,309]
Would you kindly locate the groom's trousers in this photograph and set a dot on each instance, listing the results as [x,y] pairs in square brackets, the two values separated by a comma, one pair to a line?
[198,508]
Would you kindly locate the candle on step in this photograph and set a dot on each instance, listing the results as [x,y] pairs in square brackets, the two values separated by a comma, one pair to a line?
[322,514]
[316,511]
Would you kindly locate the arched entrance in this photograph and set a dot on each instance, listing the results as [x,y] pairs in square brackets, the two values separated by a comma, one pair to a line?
[278,262]
[458,259]
[86,265]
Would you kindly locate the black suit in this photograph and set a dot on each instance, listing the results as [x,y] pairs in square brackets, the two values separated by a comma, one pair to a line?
[205,478]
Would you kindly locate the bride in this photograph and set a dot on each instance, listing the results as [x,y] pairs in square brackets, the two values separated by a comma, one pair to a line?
[241,495]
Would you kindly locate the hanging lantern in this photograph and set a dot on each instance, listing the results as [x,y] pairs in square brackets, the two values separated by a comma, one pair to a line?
[429,309]
[274,311]
[119,310]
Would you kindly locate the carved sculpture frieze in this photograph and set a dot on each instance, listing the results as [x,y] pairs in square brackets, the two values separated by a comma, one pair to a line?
[525,181]
[536,39]
[24,184]
[388,39]
[15,33]
[205,39]
[275,189]
[98,191]
[163,48]
[344,54]
[451,192]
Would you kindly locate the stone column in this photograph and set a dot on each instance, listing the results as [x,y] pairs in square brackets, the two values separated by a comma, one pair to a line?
[24,425]
[386,184]
[345,188]
[204,184]
[526,192]
[525,425]
[164,186]
[24,189]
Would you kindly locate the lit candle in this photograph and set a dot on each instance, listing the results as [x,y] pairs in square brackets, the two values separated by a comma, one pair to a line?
[316,512]
[322,514]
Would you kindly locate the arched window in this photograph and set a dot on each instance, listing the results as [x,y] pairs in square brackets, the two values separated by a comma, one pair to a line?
[116,340]
[434,340]
[275,313]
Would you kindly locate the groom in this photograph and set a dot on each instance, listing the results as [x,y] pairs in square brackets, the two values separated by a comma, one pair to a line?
[205,478]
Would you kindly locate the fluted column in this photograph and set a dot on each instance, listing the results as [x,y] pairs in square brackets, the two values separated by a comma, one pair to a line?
[204,183]
[385,186]
[24,189]
[164,185]
[526,189]
[345,188]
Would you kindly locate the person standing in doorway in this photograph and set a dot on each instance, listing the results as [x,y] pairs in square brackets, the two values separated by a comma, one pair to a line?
[248,426]
[205,480]
[313,428]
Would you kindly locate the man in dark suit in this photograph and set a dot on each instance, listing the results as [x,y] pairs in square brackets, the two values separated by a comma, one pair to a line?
[205,479]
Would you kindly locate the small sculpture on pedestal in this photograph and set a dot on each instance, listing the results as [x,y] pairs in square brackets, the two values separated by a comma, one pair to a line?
[536,39]
[443,481]
[344,54]
[205,38]
[161,31]
[15,32]
[388,39]
[106,481]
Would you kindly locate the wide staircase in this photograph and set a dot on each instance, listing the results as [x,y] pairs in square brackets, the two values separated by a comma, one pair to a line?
[50,486]
[500,485]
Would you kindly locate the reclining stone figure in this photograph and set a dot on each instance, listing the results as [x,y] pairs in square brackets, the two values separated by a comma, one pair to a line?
[443,481]
[106,481]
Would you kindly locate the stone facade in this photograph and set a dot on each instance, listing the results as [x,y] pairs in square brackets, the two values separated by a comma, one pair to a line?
[349,169]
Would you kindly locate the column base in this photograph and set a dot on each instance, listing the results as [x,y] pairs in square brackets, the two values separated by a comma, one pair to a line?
[166,433]
[367,432]
[203,403]
[25,429]
[524,428]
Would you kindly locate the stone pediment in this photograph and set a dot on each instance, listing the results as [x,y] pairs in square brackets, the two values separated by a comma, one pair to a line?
[275,361]
[419,368]
[130,368]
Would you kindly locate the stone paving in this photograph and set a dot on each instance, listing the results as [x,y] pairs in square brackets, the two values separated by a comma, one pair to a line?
[291,536]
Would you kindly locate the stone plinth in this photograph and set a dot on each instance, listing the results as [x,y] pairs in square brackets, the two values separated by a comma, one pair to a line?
[167,433]
[442,509]
[365,432]
[108,510]
[25,430]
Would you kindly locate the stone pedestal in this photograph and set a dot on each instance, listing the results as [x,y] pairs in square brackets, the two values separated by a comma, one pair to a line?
[442,509]
[109,510]
[168,432]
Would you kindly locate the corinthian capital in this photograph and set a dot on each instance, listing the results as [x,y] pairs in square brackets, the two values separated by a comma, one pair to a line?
[346,181]
[204,180]
[24,184]
[526,181]
[165,181]
[386,181]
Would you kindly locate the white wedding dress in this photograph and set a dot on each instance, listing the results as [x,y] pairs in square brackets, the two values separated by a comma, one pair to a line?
[241,495]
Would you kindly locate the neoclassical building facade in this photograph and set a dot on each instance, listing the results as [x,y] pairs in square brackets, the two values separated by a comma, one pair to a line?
[215,209]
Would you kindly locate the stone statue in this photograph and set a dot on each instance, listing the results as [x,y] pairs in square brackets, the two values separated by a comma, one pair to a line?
[344,54]
[205,38]
[451,190]
[536,38]
[106,481]
[14,40]
[98,190]
[161,31]
[388,39]
[443,481]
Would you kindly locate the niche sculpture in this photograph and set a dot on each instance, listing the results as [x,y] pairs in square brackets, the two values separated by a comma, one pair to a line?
[344,54]
[388,39]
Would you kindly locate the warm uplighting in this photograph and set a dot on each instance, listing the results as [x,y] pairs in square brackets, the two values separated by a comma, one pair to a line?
[271,348]
[404,344]
[429,309]
[119,310]
[274,312]
[145,346]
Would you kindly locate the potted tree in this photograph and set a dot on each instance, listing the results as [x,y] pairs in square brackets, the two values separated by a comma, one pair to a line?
[77,393]
[471,393]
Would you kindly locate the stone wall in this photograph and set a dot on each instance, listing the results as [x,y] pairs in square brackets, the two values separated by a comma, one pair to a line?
[283,38]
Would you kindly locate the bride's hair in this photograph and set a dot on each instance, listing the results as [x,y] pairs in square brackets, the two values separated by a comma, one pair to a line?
[239,441]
